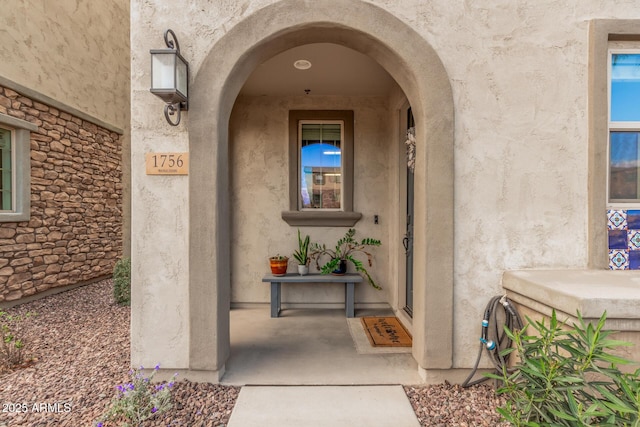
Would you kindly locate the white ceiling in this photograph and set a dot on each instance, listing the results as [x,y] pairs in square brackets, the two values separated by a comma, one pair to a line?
[335,70]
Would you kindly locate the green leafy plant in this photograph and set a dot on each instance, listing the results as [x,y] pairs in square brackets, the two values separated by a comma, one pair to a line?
[138,400]
[122,281]
[568,377]
[12,346]
[344,250]
[302,253]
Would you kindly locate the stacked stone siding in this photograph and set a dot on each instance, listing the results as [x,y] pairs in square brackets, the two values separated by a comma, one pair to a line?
[74,234]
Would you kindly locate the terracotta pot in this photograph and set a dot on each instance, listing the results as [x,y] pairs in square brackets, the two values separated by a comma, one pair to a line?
[278,266]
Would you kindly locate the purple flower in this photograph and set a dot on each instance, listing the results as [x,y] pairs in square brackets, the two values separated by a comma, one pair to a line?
[157,367]
[171,384]
[130,386]
[153,410]
[120,388]
[99,425]
[159,387]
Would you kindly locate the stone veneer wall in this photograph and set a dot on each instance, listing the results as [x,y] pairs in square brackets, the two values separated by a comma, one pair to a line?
[75,231]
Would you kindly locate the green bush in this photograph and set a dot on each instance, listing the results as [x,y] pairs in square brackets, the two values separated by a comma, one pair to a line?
[12,344]
[567,377]
[122,281]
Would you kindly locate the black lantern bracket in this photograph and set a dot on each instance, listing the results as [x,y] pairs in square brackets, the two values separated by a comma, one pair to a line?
[170,78]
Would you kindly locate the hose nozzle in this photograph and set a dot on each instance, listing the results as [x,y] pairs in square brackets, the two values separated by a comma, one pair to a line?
[491,345]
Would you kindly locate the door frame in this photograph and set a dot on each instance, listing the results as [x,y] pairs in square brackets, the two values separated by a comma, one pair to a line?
[401,215]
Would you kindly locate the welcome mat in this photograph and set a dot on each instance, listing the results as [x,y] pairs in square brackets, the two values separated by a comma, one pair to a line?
[361,340]
[386,332]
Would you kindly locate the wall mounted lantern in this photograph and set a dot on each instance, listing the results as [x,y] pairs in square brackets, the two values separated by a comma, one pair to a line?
[170,77]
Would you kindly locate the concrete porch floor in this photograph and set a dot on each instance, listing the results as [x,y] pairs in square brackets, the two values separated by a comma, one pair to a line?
[308,347]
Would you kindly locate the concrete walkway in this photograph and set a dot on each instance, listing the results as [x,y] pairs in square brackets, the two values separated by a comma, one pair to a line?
[330,406]
[303,369]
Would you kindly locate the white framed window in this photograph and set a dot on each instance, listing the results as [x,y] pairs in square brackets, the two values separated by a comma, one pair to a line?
[623,177]
[15,169]
[320,159]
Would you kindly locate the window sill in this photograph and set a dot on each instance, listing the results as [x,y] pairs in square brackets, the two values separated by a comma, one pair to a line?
[321,218]
[15,217]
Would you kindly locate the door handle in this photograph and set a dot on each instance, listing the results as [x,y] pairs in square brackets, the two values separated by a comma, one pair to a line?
[405,243]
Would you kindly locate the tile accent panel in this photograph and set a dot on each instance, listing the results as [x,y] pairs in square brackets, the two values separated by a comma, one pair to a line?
[624,239]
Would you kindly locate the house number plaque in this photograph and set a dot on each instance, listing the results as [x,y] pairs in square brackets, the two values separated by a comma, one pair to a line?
[167,163]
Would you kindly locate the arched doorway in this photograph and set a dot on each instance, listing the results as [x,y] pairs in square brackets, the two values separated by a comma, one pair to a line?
[417,69]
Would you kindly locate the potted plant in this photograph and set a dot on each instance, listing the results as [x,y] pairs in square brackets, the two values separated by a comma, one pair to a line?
[344,251]
[302,254]
[278,265]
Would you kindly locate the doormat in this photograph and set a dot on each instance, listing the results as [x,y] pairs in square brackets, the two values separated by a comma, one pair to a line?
[386,332]
[362,344]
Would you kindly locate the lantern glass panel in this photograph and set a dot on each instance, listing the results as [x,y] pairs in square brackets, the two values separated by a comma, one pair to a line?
[162,70]
[181,76]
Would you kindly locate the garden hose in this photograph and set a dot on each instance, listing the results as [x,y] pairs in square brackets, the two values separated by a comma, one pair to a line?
[494,339]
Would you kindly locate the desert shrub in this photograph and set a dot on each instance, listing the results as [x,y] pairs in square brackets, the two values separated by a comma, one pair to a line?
[12,346]
[122,281]
[138,400]
[568,377]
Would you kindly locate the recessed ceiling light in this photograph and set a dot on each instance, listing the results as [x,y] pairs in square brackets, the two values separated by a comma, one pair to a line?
[302,64]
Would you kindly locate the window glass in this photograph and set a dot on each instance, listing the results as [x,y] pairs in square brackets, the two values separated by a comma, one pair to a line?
[321,165]
[623,174]
[625,87]
[624,126]
[6,173]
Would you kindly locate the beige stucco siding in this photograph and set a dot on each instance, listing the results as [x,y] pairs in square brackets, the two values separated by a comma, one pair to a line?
[519,76]
[75,52]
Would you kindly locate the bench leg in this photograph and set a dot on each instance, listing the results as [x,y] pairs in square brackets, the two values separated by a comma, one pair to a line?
[349,299]
[275,299]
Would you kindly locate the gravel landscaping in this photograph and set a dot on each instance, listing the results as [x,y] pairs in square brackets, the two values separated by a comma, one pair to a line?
[79,342]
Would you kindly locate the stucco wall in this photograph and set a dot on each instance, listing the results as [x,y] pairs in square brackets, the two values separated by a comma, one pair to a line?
[75,52]
[259,145]
[519,76]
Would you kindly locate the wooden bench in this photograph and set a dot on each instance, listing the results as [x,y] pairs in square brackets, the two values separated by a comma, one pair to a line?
[349,280]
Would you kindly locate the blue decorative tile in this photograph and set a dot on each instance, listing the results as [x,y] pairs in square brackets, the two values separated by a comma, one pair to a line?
[618,239]
[616,219]
[633,219]
[633,237]
[634,260]
[619,260]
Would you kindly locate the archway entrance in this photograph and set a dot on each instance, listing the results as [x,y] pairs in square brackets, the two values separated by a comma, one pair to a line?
[421,76]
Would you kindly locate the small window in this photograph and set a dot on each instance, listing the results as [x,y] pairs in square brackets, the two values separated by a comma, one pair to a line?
[15,169]
[6,170]
[321,169]
[320,162]
[624,127]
